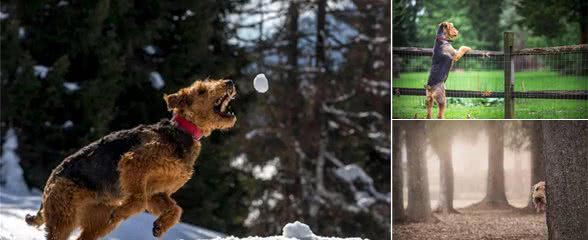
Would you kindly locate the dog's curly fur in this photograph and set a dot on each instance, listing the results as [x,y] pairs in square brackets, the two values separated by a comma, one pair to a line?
[129,171]
[539,196]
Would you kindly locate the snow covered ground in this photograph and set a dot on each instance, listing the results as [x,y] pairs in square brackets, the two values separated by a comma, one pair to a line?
[13,209]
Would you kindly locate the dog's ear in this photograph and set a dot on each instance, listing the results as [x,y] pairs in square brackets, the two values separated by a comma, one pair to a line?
[177,100]
[443,24]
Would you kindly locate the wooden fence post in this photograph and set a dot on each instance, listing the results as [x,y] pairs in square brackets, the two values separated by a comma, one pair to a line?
[508,76]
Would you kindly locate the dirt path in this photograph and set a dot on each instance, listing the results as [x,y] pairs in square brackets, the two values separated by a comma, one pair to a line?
[477,224]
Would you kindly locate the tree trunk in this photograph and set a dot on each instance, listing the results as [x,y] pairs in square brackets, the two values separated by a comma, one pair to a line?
[397,176]
[320,34]
[495,191]
[292,27]
[566,162]
[537,162]
[443,149]
[419,203]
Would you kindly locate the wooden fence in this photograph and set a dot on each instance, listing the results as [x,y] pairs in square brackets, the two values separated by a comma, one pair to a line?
[508,54]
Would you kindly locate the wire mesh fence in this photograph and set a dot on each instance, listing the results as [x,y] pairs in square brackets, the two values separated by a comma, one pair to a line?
[551,84]
[548,83]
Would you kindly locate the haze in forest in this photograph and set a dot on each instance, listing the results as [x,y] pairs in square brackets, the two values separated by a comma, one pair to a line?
[469,151]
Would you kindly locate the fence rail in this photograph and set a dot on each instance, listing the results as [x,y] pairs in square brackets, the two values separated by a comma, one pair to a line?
[551,50]
[574,94]
[429,52]
[482,53]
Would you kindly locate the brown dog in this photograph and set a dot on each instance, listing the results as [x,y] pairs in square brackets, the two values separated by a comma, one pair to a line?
[444,55]
[539,197]
[129,171]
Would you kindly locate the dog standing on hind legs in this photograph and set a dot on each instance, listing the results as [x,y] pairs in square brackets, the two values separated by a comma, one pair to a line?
[444,55]
[129,171]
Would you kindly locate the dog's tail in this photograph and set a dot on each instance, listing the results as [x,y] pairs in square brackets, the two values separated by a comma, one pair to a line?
[36,220]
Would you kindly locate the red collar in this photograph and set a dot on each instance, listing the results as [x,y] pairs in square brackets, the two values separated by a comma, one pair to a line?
[187,126]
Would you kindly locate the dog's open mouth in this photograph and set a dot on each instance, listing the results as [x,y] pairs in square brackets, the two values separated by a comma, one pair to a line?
[222,107]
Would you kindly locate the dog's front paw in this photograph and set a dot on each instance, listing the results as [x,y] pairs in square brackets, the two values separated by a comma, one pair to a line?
[157,231]
[467,49]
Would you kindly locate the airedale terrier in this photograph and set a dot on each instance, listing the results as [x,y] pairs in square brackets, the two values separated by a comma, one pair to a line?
[539,197]
[129,171]
[444,55]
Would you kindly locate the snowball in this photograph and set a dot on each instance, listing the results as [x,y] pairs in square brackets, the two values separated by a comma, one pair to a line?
[297,230]
[260,83]
[156,80]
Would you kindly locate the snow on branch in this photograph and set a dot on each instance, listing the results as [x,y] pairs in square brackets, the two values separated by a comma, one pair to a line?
[335,111]
[342,98]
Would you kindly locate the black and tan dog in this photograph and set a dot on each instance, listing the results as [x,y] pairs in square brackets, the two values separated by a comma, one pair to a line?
[129,171]
[444,55]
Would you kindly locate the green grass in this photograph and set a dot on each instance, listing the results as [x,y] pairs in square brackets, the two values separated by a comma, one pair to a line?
[408,106]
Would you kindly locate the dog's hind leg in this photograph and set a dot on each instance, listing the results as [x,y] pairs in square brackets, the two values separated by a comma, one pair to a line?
[94,221]
[133,181]
[441,102]
[429,102]
[441,110]
[429,107]
[60,209]
[168,211]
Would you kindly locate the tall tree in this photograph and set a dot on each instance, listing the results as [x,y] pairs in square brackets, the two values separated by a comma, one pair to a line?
[550,17]
[419,203]
[537,162]
[441,139]
[486,15]
[495,189]
[566,162]
[327,114]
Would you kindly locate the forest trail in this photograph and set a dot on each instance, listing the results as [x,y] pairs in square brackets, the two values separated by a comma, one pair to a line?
[477,224]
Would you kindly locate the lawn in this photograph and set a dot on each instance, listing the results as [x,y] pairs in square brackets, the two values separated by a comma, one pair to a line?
[484,108]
